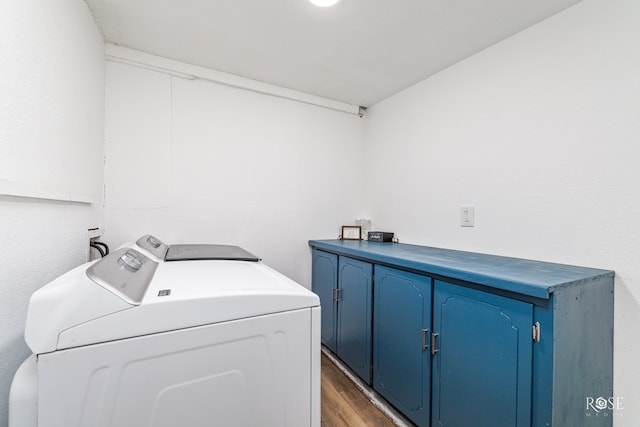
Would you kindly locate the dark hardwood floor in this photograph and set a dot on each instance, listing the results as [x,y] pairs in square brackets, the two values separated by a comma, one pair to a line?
[343,404]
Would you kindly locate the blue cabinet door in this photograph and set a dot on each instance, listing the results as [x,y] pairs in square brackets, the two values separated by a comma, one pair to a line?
[401,339]
[482,370]
[323,282]
[354,315]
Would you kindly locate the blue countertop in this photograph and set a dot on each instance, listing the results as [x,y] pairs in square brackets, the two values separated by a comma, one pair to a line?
[527,277]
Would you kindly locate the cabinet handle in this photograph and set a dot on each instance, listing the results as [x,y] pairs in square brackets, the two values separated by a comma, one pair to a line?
[336,294]
[425,346]
[434,350]
[536,332]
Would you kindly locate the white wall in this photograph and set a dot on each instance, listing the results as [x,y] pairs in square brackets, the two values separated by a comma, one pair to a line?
[540,133]
[51,143]
[194,161]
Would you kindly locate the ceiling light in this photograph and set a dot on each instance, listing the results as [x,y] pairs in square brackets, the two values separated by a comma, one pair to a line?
[324,3]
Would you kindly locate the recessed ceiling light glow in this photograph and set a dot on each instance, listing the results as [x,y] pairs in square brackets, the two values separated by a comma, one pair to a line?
[324,3]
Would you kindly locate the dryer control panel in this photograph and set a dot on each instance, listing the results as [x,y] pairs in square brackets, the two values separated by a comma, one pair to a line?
[155,246]
[125,272]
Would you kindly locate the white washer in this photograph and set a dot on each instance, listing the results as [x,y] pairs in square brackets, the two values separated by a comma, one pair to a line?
[128,341]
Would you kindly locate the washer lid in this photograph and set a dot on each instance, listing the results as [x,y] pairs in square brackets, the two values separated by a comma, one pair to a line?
[208,252]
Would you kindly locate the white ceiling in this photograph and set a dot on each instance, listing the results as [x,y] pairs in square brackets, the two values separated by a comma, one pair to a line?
[359,52]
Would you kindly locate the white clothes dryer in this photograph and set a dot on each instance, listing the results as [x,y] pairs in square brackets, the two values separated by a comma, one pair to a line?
[191,339]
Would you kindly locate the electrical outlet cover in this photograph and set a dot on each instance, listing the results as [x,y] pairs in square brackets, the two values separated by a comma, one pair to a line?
[467,216]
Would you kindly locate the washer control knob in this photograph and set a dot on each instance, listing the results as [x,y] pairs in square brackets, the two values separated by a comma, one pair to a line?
[130,261]
[154,242]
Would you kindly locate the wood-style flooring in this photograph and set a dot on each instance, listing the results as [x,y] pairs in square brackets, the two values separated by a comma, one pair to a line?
[343,404]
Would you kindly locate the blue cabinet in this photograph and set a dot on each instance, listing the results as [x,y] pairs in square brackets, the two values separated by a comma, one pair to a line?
[464,339]
[401,340]
[324,283]
[344,287]
[354,315]
[482,358]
